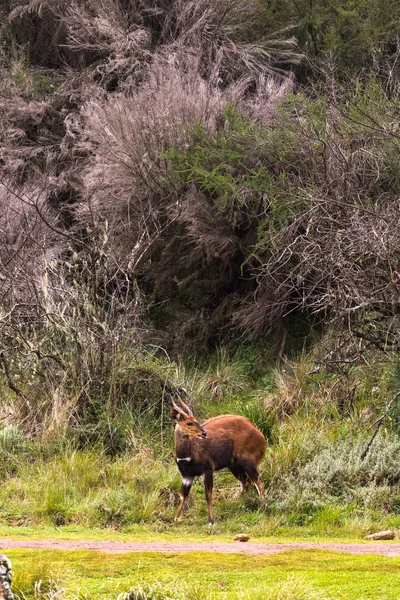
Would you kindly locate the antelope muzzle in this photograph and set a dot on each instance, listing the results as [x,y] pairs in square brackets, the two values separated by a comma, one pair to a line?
[203,432]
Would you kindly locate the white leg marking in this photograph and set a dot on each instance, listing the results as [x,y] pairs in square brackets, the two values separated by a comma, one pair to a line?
[187,480]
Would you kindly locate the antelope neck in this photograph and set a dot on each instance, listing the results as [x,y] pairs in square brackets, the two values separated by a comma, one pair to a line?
[182,447]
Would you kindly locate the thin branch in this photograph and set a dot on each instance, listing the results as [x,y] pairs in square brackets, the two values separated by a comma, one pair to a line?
[379,423]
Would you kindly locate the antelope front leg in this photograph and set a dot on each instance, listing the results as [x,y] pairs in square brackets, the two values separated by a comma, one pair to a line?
[183,494]
[208,487]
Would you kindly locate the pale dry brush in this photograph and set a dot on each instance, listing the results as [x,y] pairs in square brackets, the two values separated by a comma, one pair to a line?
[116,37]
[129,135]
[66,316]
[268,94]
[27,140]
[126,181]
[208,29]
[29,241]
[119,41]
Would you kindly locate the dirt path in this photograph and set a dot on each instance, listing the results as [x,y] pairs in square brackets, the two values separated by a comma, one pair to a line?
[391,549]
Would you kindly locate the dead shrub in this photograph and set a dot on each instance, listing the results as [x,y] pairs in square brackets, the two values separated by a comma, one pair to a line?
[129,135]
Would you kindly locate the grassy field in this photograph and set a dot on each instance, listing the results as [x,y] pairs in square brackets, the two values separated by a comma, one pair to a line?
[318,487]
[137,494]
[294,575]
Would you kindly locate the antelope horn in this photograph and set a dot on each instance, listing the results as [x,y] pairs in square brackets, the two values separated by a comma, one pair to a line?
[179,410]
[185,406]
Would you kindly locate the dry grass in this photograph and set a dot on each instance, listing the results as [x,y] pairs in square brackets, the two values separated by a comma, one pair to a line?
[291,380]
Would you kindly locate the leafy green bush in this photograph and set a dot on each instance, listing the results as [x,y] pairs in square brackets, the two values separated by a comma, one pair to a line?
[12,439]
[339,38]
[337,475]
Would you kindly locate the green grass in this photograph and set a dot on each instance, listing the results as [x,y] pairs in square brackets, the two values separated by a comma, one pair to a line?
[292,575]
[137,496]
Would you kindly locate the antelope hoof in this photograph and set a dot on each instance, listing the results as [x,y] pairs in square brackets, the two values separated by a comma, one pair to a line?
[210,522]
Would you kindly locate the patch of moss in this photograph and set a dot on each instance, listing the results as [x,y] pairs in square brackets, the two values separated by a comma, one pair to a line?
[328,574]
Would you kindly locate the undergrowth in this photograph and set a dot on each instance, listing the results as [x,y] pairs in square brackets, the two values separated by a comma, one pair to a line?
[314,472]
[111,465]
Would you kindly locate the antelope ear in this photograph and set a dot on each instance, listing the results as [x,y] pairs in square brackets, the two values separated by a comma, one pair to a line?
[175,414]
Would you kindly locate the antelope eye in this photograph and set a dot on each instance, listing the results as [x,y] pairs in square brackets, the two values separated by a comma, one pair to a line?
[190,424]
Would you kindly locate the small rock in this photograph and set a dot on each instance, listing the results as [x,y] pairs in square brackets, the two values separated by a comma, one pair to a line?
[241,537]
[381,535]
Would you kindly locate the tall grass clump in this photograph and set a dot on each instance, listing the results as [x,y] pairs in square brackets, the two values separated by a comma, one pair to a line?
[153,591]
[225,379]
[292,445]
[291,382]
[37,581]
[15,449]
[89,488]
[294,588]
[12,439]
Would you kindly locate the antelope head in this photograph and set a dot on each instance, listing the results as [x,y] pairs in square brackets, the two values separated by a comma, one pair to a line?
[186,424]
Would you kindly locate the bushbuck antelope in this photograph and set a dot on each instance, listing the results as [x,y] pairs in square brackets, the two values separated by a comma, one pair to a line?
[227,441]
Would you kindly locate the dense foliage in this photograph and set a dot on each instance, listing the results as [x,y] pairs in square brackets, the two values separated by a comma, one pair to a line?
[189,181]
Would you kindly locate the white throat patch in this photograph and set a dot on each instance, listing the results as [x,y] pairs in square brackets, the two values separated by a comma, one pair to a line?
[187,459]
